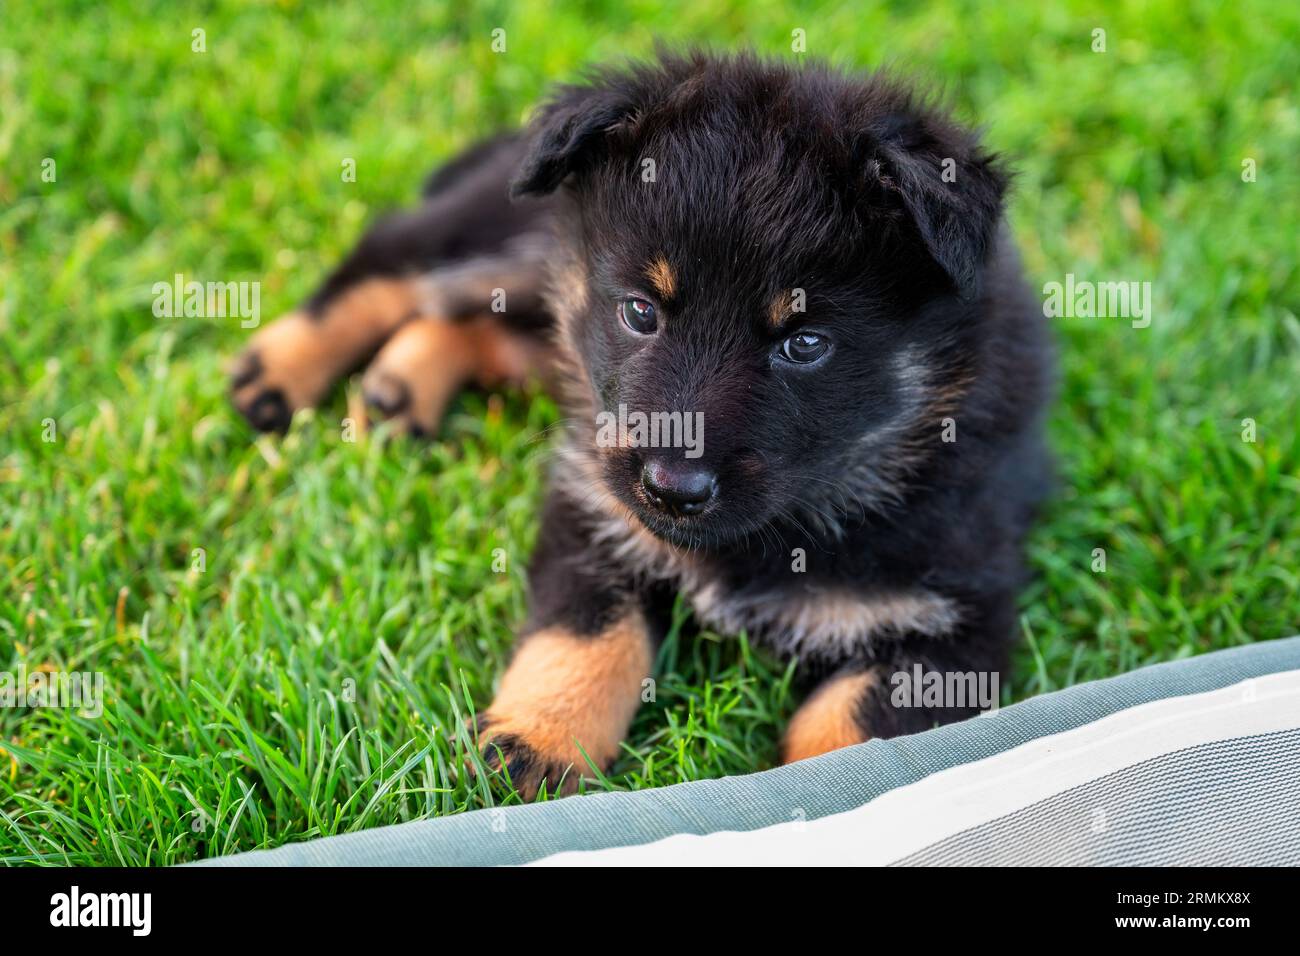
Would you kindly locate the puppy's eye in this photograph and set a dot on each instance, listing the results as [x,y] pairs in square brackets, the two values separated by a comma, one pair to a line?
[804,348]
[638,315]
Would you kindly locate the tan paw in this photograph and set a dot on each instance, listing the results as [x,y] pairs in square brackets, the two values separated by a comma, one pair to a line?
[292,363]
[563,696]
[829,718]
[416,374]
[427,361]
[530,760]
[280,372]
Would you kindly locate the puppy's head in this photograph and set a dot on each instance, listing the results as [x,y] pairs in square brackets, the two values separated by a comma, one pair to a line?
[763,283]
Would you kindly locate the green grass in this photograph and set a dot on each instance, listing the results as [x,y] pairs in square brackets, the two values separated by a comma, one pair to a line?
[333,565]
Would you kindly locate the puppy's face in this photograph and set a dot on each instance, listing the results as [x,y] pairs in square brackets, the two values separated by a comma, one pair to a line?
[757,322]
[731,365]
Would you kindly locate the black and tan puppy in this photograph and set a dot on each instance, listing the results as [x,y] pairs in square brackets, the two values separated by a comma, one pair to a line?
[810,265]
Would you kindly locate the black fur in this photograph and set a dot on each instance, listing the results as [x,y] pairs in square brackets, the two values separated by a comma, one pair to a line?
[466,213]
[768,178]
[771,178]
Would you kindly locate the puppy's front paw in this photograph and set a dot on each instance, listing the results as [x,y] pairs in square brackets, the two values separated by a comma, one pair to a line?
[563,696]
[530,759]
[831,718]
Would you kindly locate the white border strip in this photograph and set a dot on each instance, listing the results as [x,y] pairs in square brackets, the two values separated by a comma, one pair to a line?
[910,818]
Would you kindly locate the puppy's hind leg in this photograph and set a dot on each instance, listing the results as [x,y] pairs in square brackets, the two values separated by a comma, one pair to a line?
[486,325]
[466,215]
[292,363]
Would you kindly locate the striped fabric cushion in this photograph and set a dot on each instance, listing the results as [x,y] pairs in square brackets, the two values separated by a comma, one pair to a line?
[1189,762]
[1210,778]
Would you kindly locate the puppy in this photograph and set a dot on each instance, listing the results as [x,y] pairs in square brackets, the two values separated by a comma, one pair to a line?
[802,279]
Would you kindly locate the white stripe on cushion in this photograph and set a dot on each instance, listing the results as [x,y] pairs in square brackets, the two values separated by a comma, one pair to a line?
[910,818]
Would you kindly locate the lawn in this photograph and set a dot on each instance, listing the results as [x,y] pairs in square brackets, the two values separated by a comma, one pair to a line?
[289,628]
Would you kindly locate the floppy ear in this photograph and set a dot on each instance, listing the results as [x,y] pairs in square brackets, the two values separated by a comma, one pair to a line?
[568,135]
[951,190]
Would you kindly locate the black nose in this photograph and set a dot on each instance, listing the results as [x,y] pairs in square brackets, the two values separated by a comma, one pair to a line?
[678,487]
